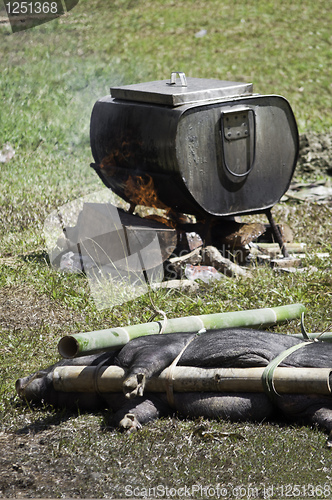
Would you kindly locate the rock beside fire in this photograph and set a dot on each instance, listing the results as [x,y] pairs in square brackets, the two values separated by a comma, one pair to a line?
[201,258]
[184,285]
[212,257]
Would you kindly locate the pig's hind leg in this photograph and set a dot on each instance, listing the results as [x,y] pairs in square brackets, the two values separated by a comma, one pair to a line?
[146,356]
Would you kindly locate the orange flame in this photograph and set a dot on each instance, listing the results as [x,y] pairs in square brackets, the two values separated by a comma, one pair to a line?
[141,192]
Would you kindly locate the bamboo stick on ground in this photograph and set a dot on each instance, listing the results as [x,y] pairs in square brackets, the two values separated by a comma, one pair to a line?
[192,379]
[102,340]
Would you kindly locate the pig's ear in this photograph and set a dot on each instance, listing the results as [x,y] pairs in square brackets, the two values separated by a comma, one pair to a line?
[134,385]
[130,423]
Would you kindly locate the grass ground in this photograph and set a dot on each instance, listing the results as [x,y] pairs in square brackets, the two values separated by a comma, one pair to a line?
[50,77]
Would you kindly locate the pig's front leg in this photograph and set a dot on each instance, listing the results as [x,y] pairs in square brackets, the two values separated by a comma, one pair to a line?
[131,415]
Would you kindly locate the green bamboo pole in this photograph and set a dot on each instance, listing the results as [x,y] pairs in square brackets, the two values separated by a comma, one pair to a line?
[113,338]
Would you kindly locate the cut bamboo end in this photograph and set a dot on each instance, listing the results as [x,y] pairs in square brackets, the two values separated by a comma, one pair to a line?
[68,347]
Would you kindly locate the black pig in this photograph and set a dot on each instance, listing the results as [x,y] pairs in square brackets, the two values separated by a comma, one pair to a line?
[146,356]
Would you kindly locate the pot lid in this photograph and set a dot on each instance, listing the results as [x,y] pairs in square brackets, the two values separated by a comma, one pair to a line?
[181,90]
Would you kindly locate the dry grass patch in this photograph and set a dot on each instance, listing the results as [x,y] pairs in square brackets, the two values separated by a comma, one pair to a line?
[21,307]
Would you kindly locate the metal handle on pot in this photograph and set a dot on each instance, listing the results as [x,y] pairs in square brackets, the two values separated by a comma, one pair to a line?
[237,129]
[182,77]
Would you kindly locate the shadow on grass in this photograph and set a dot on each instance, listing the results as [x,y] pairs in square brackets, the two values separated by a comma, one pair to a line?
[41,424]
[56,417]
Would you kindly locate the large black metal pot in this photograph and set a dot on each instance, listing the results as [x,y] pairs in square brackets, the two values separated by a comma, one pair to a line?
[211,147]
